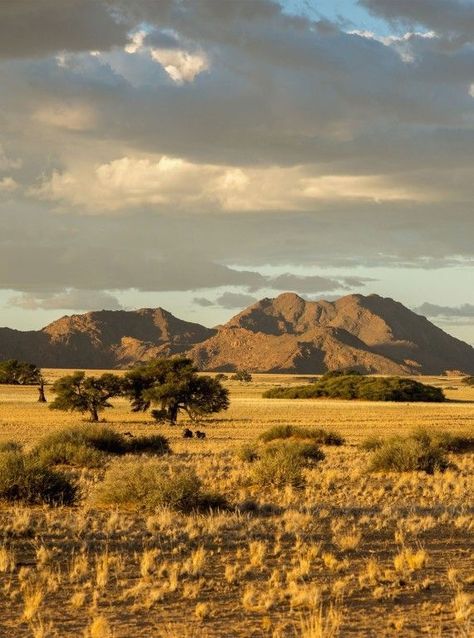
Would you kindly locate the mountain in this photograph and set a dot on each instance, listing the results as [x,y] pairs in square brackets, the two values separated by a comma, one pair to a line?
[286,334]
[371,334]
[104,339]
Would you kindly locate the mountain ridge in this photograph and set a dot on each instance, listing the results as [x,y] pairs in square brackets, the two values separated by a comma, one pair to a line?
[287,333]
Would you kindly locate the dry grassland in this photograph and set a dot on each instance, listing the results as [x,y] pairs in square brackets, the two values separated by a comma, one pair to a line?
[348,554]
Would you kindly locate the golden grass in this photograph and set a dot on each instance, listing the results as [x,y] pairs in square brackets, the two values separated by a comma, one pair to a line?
[347,554]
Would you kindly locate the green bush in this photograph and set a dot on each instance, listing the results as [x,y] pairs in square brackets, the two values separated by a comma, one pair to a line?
[155,444]
[151,484]
[408,455]
[318,435]
[87,446]
[357,386]
[24,478]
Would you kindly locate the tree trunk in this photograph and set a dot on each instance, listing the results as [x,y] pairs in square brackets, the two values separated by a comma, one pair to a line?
[42,396]
[173,414]
[94,414]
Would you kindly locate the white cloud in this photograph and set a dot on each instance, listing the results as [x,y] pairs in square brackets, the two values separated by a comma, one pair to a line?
[182,66]
[179,184]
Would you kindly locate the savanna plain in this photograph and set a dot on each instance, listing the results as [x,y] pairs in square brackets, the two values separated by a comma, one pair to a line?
[340,552]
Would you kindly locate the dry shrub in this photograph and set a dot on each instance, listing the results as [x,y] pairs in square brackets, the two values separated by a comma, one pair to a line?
[408,455]
[87,446]
[24,478]
[151,484]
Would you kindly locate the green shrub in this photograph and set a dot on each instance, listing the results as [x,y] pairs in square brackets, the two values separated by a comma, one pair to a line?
[408,455]
[155,444]
[357,386]
[151,484]
[318,435]
[87,446]
[24,478]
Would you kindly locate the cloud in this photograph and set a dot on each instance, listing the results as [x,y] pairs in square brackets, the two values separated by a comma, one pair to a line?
[33,28]
[75,116]
[232,300]
[452,17]
[170,182]
[71,299]
[181,66]
[203,302]
[432,310]
[305,284]
[8,184]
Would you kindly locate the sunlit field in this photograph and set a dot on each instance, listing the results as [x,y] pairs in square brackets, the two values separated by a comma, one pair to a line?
[348,553]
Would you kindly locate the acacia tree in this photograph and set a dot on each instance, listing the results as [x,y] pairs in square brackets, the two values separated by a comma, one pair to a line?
[78,393]
[174,385]
[16,372]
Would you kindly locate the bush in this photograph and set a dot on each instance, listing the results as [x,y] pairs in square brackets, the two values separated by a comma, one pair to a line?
[155,444]
[318,435]
[248,453]
[357,386]
[408,455]
[242,375]
[153,484]
[281,463]
[10,446]
[468,380]
[87,446]
[304,450]
[446,441]
[371,443]
[24,478]
[278,469]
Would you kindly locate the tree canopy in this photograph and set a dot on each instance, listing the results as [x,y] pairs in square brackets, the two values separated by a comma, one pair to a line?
[16,372]
[174,385]
[358,386]
[78,393]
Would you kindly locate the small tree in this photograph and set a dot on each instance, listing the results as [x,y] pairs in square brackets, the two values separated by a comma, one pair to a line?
[16,372]
[78,393]
[174,385]
[242,375]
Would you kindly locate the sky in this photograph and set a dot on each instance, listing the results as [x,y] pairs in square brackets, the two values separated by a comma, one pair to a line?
[199,155]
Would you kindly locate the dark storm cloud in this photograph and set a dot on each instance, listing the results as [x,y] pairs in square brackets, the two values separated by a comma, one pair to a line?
[36,28]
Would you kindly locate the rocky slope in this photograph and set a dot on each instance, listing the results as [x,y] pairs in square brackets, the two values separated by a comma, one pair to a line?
[372,334]
[286,334]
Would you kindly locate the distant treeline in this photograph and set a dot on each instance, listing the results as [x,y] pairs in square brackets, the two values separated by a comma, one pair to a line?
[352,385]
